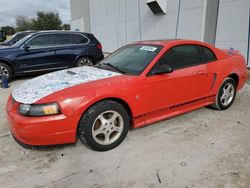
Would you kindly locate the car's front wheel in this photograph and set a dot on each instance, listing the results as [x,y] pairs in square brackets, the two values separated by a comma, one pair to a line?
[104,125]
[226,95]
[5,70]
[84,61]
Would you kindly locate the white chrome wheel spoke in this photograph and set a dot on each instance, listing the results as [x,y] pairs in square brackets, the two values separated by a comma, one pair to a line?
[4,71]
[98,131]
[102,119]
[106,138]
[114,117]
[117,129]
[85,62]
[223,96]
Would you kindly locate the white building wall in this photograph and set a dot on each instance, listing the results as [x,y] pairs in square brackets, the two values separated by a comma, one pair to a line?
[80,15]
[77,25]
[118,22]
[190,23]
[233,25]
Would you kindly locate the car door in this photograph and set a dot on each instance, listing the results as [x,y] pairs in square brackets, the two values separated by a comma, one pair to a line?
[188,82]
[37,54]
[68,48]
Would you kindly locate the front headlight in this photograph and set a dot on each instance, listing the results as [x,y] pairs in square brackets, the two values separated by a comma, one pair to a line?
[39,109]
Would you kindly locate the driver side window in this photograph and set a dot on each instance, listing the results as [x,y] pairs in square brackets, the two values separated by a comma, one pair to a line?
[182,56]
[40,41]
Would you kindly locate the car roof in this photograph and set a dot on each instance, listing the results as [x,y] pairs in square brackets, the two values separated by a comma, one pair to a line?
[30,31]
[60,32]
[165,42]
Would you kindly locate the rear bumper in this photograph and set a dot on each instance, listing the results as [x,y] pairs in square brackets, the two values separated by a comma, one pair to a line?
[99,57]
[41,131]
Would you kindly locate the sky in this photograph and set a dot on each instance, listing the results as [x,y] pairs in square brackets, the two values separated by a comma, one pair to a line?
[10,9]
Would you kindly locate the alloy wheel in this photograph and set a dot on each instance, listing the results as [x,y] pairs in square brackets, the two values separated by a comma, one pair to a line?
[4,71]
[107,127]
[227,96]
[85,62]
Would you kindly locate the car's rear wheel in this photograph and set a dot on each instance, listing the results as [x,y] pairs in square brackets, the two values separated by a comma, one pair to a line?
[226,95]
[84,61]
[5,70]
[104,125]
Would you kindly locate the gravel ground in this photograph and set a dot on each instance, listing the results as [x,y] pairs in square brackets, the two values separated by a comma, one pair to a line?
[204,148]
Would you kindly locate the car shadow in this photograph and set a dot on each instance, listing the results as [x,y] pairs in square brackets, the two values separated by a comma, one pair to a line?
[26,77]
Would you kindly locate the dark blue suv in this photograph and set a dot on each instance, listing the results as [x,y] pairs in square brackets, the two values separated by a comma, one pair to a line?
[49,50]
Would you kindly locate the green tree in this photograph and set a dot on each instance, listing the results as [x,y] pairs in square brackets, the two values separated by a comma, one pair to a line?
[8,30]
[23,23]
[47,21]
[65,27]
[43,21]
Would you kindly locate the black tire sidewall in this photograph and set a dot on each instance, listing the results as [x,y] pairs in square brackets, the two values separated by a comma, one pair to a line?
[87,121]
[220,105]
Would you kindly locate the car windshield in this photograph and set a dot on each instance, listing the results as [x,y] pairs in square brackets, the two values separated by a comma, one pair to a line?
[21,41]
[11,38]
[131,59]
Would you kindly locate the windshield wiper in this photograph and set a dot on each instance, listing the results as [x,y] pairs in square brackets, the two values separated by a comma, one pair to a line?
[114,67]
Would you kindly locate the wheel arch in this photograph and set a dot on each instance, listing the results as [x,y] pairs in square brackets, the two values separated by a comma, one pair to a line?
[116,99]
[123,103]
[84,55]
[235,77]
[226,72]
[7,63]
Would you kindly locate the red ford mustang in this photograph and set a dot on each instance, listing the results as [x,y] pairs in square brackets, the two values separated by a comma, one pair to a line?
[139,84]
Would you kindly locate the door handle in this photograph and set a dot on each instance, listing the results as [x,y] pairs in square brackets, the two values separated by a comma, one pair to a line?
[201,72]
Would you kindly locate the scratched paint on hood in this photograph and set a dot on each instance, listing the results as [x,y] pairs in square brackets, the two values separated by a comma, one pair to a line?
[35,89]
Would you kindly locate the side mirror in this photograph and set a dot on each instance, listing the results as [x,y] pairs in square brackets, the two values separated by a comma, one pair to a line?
[163,68]
[26,47]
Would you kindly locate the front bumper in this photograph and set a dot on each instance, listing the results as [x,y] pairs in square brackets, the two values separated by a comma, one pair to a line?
[41,131]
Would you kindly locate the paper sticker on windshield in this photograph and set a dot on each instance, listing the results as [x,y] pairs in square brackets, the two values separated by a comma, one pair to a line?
[148,48]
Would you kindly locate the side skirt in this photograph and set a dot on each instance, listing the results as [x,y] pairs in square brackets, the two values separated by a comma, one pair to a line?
[172,111]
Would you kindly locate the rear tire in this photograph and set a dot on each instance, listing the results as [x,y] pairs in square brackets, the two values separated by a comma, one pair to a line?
[104,125]
[84,61]
[5,70]
[226,95]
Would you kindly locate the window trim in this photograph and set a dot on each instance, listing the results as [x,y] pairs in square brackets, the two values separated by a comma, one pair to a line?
[55,46]
[66,45]
[157,64]
[82,35]
[22,47]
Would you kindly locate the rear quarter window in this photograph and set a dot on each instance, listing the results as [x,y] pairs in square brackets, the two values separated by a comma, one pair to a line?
[79,39]
[208,54]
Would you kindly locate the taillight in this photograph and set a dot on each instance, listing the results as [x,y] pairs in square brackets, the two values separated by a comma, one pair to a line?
[99,46]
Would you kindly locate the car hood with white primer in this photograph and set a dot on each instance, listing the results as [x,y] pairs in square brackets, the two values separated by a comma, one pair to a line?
[35,89]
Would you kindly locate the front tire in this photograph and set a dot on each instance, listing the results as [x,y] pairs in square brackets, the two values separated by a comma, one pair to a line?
[104,126]
[226,95]
[5,70]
